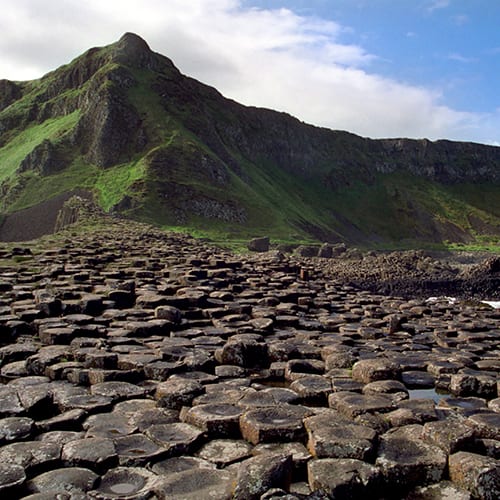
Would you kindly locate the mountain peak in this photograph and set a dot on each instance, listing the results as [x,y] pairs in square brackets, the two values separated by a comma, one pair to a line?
[132,49]
[130,42]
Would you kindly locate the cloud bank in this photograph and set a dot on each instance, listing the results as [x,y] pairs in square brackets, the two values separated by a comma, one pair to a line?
[272,58]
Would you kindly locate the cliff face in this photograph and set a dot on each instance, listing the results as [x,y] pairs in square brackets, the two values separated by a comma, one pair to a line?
[124,122]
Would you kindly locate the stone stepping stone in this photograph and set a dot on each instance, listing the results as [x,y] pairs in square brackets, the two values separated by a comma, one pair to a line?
[297,368]
[312,388]
[344,478]
[407,461]
[177,438]
[485,425]
[177,392]
[12,477]
[75,480]
[464,406]
[475,473]
[258,474]
[217,420]
[223,452]
[136,450]
[195,484]
[125,483]
[417,379]
[131,406]
[245,350]
[97,454]
[117,391]
[15,428]
[352,405]
[332,438]
[274,424]
[91,403]
[450,435]
[346,384]
[31,455]
[423,409]
[482,386]
[370,370]
[108,425]
[60,437]
[145,418]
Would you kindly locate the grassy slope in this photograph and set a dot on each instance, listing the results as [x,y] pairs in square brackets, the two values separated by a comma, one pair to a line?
[276,203]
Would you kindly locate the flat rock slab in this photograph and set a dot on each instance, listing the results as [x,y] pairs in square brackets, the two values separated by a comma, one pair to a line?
[97,454]
[352,405]
[31,455]
[344,478]
[405,460]
[72,479]
[218,420]
[265,425]
[137,449]
[195,484]
[334,439]
[223,452]
[125,483]
[175,439]
[117,391]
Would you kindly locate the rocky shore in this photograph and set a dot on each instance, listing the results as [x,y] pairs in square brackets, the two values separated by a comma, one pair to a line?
[137,364]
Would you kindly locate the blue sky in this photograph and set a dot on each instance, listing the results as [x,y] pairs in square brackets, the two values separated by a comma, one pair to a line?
[450,45]
[378,68]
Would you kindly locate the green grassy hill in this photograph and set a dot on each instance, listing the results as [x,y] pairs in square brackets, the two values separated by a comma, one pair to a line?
[122,123]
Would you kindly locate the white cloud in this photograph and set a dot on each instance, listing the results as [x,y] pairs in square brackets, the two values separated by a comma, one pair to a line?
[438,4]
[273,58]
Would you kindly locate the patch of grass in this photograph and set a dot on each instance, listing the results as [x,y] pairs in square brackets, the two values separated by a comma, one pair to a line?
[26,140]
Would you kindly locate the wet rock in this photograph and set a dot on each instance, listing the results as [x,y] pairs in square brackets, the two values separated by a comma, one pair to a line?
[270,424]
[475,473]
[108,425]
[71,479]
[137,449]
[125,483]
[406,461]
[258,474]
[344,478]
[300,455]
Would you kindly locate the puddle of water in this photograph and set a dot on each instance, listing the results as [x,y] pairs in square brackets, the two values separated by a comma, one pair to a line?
[434,394]
[123,488]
